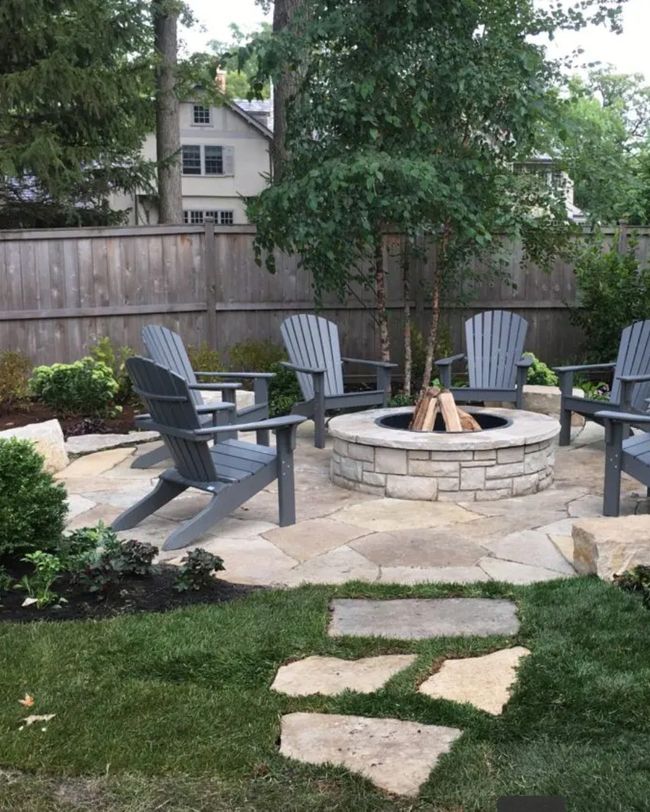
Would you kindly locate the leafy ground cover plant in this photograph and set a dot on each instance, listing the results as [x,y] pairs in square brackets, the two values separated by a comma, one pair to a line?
[114,357]
[15,370]
[636,580]
[284,391]
[539,373]
[594,390]
[196,570]
[38,585]
[86,387]
[203,357]
[32,505]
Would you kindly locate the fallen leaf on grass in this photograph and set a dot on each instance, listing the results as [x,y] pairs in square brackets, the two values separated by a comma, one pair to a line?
[27,702]
[35,717]
[29,602]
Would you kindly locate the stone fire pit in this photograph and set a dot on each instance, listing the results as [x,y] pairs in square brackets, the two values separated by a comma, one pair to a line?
[513,455]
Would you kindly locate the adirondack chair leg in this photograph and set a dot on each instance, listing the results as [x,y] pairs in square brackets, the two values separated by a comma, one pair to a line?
[164,492]
[151,458]
[522,374]
[566,388]
[383,384]
[613,455]
[285,444]
[319,410]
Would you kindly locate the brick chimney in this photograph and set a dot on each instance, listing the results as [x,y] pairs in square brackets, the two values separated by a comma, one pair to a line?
[220,80]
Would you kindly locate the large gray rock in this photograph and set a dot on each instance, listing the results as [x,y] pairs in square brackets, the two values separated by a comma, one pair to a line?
[395,755]
[420,618]
[89,443]
[48,439]
[609,546]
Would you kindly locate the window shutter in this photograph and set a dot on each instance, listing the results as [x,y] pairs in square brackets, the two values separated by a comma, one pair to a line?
[228,160]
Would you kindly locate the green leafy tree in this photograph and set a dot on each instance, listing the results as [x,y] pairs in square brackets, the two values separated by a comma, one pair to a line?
[602,134]
[76,90]
[240,61]
[408,114]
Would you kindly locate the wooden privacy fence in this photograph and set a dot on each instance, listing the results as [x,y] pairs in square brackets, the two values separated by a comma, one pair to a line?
[61,289]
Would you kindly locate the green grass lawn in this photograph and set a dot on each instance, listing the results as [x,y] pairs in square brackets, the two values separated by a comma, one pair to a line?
[174,712]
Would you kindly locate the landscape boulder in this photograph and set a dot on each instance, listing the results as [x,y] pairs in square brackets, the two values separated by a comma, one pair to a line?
[48,439]
[609,546]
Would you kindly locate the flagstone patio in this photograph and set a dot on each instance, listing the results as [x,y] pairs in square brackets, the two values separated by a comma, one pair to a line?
[343,535]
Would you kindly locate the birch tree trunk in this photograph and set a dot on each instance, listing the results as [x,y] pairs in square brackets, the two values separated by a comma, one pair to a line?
[406,292]
[380,291]
[168,140]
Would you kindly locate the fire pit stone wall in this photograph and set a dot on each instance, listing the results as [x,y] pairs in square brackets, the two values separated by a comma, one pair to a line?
[492,464]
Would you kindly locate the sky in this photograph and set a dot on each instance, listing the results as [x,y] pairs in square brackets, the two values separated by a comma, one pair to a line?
[628,52]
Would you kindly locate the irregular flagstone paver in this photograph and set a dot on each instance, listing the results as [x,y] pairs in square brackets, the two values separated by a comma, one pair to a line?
[335,567]
[535,509]
[89,443]
[395,755]
[514,573]
[421,618]
[331,675]
[432,575]
[313,537]
[78,504]
[100,513]
[485,682]
[531,547]
[420,547]
[399,514]
[94,464]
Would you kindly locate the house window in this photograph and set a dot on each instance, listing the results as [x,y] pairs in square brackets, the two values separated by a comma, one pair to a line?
[213,160]
[220,217]
[191,159]
[201,114]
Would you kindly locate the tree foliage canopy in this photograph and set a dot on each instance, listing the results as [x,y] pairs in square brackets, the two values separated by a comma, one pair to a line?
[410,114]
[76,89]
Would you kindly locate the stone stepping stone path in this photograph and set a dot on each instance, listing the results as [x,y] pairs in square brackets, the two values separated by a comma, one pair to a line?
[421,618]
[331,675]
[485,682]
[396,756]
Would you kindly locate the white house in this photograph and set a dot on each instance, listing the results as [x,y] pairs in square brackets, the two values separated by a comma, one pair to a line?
[225,155]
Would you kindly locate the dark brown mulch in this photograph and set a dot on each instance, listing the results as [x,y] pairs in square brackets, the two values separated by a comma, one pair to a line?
[133,595]
[72,426]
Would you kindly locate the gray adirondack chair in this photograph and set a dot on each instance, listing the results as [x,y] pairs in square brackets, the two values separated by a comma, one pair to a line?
[631,381]
[166,348]
[314,351]
[231,470]
[496,365]
[624,453]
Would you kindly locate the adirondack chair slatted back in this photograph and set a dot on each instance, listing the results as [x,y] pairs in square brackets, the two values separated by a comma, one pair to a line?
[166,348]
[633,359]
[170,403]
[312,341]
[495,342]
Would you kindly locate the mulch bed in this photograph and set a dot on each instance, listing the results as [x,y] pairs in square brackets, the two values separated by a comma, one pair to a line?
[72,426]
[133,595]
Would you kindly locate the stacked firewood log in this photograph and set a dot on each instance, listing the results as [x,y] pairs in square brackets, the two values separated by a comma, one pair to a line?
[434,402]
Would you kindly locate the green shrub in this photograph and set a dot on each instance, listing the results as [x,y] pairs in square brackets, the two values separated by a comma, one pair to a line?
[284,391]
[38,585]
[401,399]
[6,581]
[614,291]
[196,570]
[15,370]
[594,390]
[204,358]
[98,560]
[255,356]
[32,506]
[539,374]
[105,352]
[636,580]
[87,388]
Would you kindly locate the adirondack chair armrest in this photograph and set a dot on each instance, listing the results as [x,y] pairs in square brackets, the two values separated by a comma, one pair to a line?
[272,424]
[237,375]
[444,364]
[627,388]
[306,370]
[524,362]
[206,408]
[382,364]
[581,367]
[215,387]
[633,378]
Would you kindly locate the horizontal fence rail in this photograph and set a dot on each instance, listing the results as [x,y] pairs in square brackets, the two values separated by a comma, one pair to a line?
[62,289]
